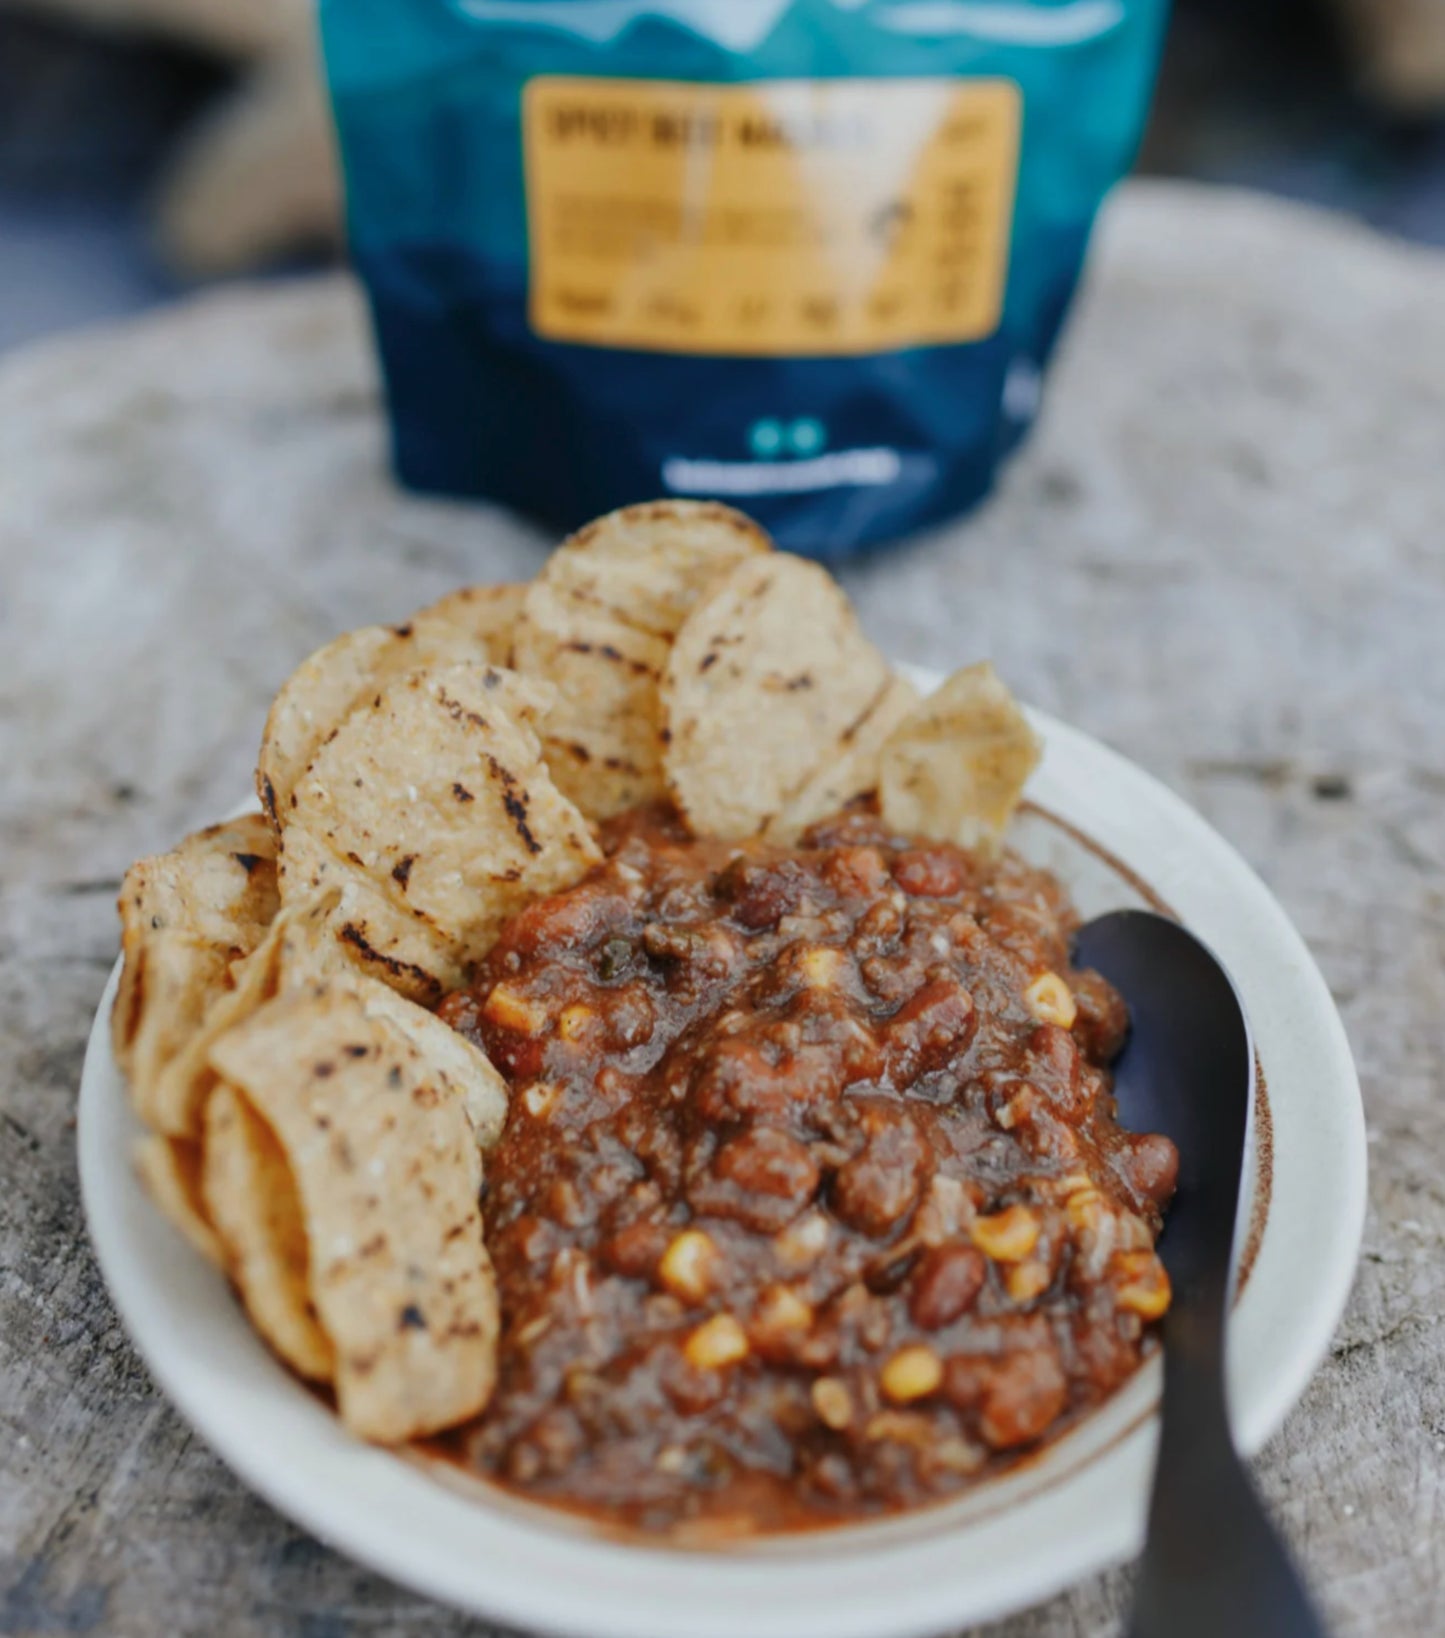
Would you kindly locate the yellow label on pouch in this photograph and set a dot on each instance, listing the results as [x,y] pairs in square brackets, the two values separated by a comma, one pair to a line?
[784,217]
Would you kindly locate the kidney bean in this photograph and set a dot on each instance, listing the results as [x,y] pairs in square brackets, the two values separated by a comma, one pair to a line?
[945,1284]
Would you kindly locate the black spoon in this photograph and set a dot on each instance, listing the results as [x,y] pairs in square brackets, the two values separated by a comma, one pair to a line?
[1213,1566]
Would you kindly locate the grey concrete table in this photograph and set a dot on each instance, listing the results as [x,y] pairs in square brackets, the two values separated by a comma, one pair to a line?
[1223,553]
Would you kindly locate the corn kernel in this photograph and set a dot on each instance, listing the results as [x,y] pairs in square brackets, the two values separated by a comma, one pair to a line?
[782,1310]
[572,1022]
[510,1009]
[957,1456]
[1018,1108]
[1145,1288]
[716,1342]
[822,967]
[1073,1183]
[912,1373]
[900,1428]
[1008,1236]
[1052,1001]
[1025,1281]
[1085,1208]
[688,1265]
[833,1403]
[802,1242]
[540,1098]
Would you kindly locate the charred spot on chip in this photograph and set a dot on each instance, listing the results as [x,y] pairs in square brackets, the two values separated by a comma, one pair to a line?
[394,1076]
[356,1049]
[411,1318]
[461,792]
[709,660]
[323,1070]
[802,680]
[457,711]
[401,870]
[351,934]
[403,630]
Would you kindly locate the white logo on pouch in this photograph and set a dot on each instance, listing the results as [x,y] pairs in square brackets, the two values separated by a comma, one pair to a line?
[840,468]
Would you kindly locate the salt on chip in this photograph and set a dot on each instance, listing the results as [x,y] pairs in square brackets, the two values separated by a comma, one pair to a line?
[387,1176]
[598,622]
[955,767]
[432,813]
[170,1172]
[852,773]
[473,624]
[186,917]
[768,677]
[252,1200]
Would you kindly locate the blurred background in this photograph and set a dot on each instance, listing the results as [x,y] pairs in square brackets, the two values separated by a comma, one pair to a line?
[148,146]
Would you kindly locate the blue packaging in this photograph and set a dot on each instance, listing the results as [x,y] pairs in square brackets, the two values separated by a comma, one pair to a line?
[807,256]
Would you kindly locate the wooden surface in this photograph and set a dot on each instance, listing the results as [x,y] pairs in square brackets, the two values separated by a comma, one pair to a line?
[1223,553]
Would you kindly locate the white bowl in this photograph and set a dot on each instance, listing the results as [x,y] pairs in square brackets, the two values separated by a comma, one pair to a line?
[1009,1543]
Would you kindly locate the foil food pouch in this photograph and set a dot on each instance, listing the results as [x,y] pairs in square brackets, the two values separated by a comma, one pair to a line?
[808,256]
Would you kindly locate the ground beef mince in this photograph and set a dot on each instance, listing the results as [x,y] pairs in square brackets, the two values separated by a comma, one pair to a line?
[812,1202]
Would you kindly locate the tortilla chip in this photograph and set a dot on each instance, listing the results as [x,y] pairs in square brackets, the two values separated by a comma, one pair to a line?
[852,773]
[598,623]
[313,959]
[251,1196]
[602,739]
[431,812]
[647,565]
[186,916]
[324,689]
[299,946]
[388,1179]
[461,1068]
[170,1173]
[488,614]
[301,951]
[768,678]
[955,768]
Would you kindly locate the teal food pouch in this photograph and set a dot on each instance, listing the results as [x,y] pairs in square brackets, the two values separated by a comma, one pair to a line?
[807,256]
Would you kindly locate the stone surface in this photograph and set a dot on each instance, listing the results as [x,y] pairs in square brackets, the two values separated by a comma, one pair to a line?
[1222,553]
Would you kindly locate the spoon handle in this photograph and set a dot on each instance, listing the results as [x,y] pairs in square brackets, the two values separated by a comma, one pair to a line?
[1214,1564]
